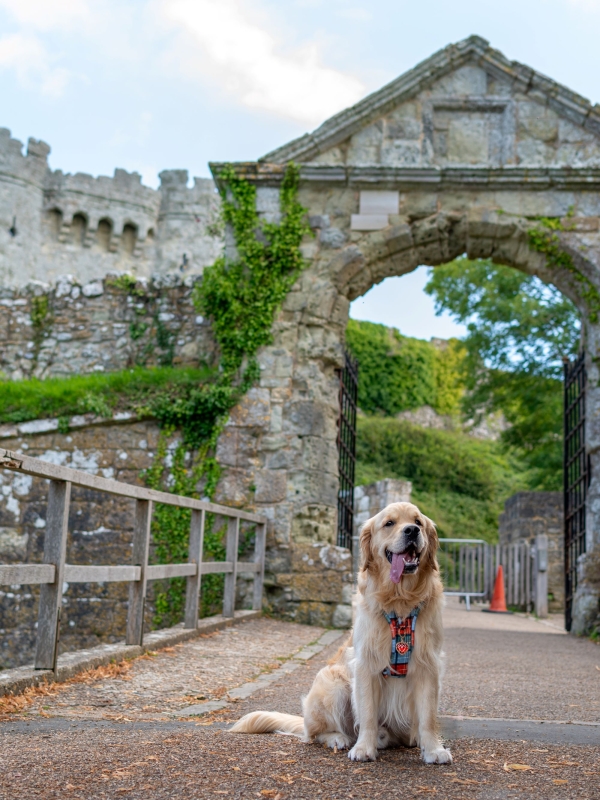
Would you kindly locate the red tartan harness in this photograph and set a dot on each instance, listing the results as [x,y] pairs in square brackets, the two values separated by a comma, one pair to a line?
[403,642]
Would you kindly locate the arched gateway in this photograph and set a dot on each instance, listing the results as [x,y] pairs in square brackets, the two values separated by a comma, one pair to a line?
[466,153]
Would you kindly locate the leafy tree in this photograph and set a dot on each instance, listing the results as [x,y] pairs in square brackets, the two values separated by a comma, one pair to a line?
[519,332]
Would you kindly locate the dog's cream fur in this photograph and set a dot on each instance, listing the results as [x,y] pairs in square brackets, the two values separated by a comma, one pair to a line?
[351,704]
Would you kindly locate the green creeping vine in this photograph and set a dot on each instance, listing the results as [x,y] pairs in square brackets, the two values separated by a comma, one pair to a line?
[545,240]
[241,297]
[41,322]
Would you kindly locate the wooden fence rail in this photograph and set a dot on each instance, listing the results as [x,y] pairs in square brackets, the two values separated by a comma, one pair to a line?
[54,571]
[469,567]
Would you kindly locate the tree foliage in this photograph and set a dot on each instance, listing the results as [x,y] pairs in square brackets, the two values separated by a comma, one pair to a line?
[519,331]
[458,481]
[398,372]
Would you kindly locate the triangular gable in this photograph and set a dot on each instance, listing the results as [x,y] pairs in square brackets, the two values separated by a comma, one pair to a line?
[473,50]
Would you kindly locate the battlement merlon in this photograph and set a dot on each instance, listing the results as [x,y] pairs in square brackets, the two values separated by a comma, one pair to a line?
[30,167]
[180,200]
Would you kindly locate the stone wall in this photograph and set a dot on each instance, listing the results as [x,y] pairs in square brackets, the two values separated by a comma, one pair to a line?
[99,327]
[53,224]
[307,581]
[528,514]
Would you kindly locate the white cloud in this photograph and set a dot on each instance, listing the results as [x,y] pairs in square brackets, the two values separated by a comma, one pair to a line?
[221,42]
[32,65]
[586,5]
[47,14]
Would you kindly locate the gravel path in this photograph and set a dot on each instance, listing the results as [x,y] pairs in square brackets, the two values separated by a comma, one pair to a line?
[58,758]
[120,737]
[159,686]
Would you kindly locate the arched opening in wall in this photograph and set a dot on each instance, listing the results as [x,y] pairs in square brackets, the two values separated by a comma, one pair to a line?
[53,220]
[129,238]
[79,225]
[104,234]
[462,411]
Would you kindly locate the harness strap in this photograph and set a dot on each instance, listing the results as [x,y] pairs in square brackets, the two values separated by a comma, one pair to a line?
[403,642]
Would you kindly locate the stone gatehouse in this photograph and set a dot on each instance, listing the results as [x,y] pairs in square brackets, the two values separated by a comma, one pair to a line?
[462,154]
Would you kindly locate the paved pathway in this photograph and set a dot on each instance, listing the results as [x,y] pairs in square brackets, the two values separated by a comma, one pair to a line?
[74,744]
[510,666]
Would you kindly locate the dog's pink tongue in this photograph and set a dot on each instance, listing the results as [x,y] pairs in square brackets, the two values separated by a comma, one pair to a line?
[397,567]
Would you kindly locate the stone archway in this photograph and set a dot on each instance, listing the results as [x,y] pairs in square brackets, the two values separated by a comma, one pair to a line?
[461,155]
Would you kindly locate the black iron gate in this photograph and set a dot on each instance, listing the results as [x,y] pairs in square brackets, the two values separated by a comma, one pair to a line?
[576,476]
[347,449]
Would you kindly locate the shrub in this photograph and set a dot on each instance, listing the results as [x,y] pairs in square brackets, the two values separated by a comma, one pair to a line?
[399,373]
[460,482]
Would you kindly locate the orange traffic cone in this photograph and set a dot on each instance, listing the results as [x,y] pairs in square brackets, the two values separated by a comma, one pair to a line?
[498,604]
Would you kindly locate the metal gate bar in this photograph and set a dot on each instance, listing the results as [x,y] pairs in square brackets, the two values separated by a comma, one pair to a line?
[347,449]
[576,476]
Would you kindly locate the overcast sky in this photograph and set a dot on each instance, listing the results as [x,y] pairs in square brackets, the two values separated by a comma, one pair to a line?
[153,84]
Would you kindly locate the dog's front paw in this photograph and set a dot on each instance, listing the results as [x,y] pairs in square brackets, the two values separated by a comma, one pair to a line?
[439,755]
[361,752]
[335,740]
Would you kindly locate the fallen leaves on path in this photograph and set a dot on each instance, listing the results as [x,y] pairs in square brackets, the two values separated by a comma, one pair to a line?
[13,704]
[559,781]
[516,767]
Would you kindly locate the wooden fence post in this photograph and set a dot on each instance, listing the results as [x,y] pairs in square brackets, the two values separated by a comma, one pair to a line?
[233,534]
[55,551]
[137,589]
[259,560]
[192,591]
[541,575]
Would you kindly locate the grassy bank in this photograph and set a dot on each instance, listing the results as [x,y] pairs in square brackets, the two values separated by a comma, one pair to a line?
[131,389]
[460,482]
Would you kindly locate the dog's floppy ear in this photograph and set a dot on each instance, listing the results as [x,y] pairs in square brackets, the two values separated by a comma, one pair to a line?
[366,535]
[432,540]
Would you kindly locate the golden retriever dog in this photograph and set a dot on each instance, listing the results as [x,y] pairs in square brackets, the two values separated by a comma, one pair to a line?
[382,687]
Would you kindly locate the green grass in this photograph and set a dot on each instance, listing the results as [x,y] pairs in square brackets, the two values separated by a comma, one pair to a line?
[104,394]
[459,482]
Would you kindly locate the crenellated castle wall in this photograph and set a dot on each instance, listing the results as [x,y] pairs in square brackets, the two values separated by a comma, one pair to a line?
[52,224]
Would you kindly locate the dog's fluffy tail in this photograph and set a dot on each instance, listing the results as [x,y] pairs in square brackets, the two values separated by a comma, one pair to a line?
[269,722]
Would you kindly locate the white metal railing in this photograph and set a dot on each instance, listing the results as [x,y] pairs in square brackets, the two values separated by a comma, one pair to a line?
[53,572]
[469,566]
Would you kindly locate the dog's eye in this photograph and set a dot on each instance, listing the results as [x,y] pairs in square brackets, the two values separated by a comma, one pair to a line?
[419,523]
[389,523]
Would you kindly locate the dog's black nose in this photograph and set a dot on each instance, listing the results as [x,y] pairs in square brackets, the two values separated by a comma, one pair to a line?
[412,531]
